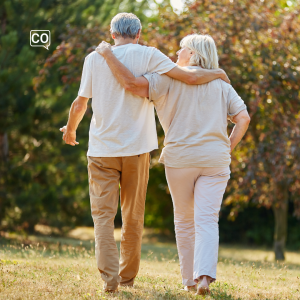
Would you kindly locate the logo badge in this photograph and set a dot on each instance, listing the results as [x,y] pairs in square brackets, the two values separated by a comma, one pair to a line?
[40,38]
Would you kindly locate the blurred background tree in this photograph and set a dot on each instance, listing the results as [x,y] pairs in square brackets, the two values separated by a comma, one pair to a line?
[38,181]
[258,44]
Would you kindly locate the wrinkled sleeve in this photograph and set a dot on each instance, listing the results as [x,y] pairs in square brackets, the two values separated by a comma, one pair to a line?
[85,89]
[235,104]
[160,63]
[158,85]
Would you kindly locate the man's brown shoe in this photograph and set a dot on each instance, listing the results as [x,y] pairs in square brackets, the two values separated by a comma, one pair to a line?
[110,291]
[126,284]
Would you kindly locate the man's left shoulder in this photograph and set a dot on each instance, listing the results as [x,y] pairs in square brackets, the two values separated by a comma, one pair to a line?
[145,48]
[94,55]
[94,58]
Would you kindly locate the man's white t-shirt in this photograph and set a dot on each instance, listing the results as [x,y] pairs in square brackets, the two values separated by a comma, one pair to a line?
[122,124]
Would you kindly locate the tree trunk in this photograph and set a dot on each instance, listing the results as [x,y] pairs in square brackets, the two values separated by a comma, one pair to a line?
[280,209]
[3,161]
[3,148]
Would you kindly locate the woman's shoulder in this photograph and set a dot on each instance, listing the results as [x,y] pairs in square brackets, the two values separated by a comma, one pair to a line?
[221,84]
[224,84]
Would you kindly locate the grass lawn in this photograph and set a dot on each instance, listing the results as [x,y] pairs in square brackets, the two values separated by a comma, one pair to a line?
[65,268]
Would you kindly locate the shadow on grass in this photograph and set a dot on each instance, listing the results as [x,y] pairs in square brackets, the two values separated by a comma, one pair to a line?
[218,292]
[45,246]
[257,264]
[161,290]
[160,252]
[49,246]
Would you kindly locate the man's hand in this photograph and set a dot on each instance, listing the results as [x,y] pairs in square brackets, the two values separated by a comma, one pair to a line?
[103,48]
[224,76]
[69,136]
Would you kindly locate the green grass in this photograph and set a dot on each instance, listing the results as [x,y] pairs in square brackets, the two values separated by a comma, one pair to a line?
[59,268]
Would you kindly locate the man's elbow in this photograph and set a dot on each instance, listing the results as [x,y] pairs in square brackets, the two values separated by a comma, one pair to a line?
[79,107]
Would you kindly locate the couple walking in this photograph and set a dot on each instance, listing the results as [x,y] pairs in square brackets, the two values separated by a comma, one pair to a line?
[193,100]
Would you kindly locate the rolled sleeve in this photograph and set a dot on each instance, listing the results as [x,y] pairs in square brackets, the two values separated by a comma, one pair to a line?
[158,85]
[85,89]
[235,104]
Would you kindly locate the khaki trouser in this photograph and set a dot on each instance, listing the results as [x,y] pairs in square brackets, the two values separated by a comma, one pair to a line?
[106,174]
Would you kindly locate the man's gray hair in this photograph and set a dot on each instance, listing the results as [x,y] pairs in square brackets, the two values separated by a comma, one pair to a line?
[125,25]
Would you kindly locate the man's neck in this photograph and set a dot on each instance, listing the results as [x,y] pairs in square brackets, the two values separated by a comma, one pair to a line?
[122,41]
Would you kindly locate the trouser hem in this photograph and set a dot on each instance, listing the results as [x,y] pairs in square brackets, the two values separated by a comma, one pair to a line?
[126,284]
[199,274]
[188,282]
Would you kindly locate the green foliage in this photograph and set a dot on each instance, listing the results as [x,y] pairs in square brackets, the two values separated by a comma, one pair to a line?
[258,44]
[43,181]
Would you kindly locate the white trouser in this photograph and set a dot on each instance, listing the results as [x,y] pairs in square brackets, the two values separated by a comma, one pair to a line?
[197,196]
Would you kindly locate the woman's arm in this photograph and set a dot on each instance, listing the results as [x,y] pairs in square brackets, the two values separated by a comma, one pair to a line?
[241,121]
[197,76]
[137,85]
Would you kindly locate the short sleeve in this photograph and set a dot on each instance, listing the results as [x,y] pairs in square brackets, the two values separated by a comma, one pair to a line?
[160,63]
[235,104]
[158,85]
[85,89]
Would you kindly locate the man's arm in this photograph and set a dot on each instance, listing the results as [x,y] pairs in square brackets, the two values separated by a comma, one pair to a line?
[140,85]
[77,111]
[241,121]
[137,85]
[197,76]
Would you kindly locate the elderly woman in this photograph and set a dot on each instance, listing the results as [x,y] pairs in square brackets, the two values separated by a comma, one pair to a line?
[197,150]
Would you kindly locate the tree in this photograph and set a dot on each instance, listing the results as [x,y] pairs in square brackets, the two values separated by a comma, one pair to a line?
[258,46]
[37,182]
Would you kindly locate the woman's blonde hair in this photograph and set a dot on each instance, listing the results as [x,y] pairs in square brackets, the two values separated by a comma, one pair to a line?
[205,50]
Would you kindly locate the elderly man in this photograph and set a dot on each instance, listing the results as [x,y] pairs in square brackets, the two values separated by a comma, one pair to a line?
[122,133]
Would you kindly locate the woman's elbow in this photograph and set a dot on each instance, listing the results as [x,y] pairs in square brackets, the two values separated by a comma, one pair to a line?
[242,118]
[128,86]
[191,79]
[247,119]
[131,85]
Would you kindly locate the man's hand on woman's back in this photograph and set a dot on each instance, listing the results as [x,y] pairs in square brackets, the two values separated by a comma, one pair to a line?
[224,76]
